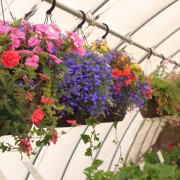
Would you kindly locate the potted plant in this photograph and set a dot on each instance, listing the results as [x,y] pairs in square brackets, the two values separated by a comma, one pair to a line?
[30,57]
[85,88]
[165,96]
[131,88]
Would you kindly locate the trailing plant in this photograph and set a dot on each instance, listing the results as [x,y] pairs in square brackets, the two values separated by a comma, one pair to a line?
[30,57]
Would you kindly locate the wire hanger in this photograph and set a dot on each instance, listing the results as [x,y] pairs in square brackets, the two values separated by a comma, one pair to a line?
[49,12]
[107,31]
[150,53]
[163,58]
[3,12]
[79,28]
[83,20]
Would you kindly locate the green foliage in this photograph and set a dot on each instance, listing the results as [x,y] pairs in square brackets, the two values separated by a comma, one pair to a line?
[170,157]
[166,91]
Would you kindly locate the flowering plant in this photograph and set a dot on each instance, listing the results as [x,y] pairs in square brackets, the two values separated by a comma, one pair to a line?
[30,57]
[87,85]
[131,88]
[165,92]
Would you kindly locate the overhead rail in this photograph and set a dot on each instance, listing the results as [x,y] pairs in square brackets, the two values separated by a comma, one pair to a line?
[92,11]
[159,43]
[145,22]
[101,26]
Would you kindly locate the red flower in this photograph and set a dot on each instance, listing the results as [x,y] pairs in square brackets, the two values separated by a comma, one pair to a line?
[54,134]
[127,82]
[25,146]
[47,100]
[116,73]
[37,116]
[10,59]
[171,146]
[73,122]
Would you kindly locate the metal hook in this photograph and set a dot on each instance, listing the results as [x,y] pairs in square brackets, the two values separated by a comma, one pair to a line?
[52,7]
[107,31]
[175,65]
[163,58]
[150,53]
[83,21]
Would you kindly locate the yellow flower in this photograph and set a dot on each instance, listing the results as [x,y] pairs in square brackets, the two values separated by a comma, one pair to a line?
[136,67]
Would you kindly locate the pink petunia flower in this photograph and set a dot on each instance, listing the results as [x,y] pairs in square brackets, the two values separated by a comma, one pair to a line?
[77,43]
[33,41]
[57,60]
[32,61]
[41,27]
[26,52]
[16,42]
[50,46]
[37,50]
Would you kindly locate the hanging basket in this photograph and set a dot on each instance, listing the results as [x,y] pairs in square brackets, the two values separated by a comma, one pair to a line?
[80,117]
[113,116]
[151,110]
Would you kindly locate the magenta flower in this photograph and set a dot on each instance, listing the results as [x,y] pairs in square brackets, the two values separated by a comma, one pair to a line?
[50,46]
[25,52]
[41,27]
[77,45]
[33,41]
[32,61]
[18,33]
[16,42]
[37,50]
[57,60]
[3,29]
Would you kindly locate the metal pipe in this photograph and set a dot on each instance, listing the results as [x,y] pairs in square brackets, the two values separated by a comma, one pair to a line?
[93,11]
[159,43]
[101,26]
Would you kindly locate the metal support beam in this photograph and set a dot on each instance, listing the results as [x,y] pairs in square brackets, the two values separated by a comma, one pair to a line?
[174,53]
[113,32]
[145,22]
[159,43]
[93,11]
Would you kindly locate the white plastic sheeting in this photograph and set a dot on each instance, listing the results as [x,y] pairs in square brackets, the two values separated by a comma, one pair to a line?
[151,23]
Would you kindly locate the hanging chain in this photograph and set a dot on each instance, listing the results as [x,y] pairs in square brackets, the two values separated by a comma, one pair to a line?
[3,12]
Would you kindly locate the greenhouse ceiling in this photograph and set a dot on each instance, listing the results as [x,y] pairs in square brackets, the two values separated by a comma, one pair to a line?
[138,27]
[148,23]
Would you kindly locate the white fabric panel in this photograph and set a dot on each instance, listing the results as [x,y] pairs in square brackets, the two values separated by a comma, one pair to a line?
[10,162]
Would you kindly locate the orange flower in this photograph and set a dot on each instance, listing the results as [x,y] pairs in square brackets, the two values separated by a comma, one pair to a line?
[47,100]
[43,75]
[29,96]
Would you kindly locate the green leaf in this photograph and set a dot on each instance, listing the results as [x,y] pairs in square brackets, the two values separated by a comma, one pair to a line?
[85,138]
[96,163]
[91,121]
[46,71]
[88,152]
[166,171]
[115,124]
